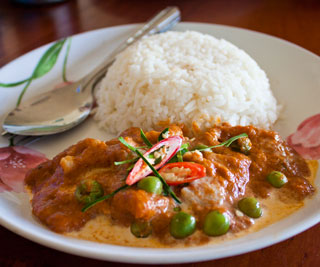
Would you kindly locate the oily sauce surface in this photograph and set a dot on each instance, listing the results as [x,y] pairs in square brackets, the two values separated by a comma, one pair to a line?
[230,176]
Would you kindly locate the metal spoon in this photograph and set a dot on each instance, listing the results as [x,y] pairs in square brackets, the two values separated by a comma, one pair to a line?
[61,109]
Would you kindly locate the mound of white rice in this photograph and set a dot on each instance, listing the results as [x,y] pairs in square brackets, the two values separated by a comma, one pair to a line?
[184,77]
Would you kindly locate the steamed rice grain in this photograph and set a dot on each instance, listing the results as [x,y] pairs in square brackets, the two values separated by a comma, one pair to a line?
[184,77]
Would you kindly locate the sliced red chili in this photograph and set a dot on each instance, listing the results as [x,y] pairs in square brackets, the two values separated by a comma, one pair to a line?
[140,170]
[182,172]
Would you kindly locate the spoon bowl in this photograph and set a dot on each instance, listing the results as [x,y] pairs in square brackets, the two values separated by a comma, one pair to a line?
[56,111]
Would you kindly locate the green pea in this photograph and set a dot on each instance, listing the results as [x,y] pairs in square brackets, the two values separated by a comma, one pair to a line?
[163,134]
[141,229]
[182,225]
[88,191]
[250,206]
[151,184]
[216,223]
[277,179]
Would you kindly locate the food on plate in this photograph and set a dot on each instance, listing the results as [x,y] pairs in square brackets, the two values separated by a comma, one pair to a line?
[177,187]
[216,223]
[250,207]
[182,225]
[184,77]
[277,179]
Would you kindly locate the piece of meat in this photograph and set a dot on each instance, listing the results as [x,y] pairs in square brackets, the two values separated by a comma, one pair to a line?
[227,173]
[224,185]
[53,183]
[234,168]
[205,193]
[132,204]
[15,162]
[298,188]
[268,153]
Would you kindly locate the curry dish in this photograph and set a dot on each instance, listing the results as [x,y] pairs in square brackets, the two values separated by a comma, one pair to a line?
[214,183]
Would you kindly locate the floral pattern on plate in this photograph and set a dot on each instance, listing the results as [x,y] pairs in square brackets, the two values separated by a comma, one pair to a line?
[15,161]
[306,139]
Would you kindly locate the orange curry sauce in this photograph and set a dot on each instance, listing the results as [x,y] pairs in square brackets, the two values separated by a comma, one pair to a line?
[230,176]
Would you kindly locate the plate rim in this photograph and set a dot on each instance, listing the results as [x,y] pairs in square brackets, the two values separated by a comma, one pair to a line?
[136,255]
[180,23]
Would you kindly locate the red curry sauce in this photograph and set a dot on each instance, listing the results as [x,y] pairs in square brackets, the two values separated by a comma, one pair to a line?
[231,175]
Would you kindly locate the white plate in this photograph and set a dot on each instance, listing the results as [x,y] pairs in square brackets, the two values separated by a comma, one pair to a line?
[295,81]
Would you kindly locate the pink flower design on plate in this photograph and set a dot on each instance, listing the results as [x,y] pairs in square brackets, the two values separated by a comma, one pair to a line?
[15,161]
[306,140]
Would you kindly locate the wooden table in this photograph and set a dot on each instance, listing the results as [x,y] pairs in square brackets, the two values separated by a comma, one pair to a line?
[23,28]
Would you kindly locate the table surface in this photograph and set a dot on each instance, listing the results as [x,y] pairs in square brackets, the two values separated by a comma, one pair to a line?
[23,28]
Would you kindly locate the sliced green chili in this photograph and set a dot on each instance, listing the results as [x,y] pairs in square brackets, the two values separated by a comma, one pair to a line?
[179,156]
[162,133]
[144,138]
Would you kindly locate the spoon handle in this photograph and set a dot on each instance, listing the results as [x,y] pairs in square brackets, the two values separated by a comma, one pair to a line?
[161,22]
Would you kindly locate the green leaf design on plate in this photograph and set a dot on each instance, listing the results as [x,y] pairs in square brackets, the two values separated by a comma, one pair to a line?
[45,64]
[64,68]
[23,92]
[13,84]
[48,59]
